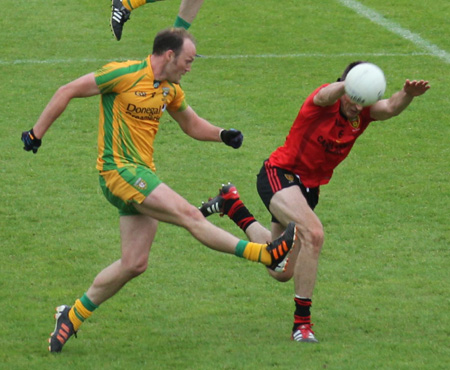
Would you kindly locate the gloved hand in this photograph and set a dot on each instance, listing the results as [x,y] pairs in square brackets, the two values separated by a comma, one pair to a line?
[232,137]
[30,141]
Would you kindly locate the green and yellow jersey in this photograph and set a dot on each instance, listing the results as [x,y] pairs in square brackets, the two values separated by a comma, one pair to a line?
[131,105]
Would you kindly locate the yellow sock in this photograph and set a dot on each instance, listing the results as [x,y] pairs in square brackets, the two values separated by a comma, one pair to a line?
[81,311]
[257,252]
[133,4]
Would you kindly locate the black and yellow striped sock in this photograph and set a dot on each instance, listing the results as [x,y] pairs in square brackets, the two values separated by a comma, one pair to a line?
[80,311]
[253,252]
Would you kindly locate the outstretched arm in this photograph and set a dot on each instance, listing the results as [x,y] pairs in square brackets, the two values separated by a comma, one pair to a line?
[330,94]
[82,87]
[195,126]
[199,128]
[397,103]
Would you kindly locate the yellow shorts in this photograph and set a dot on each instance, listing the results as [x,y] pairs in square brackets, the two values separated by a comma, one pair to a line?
[127,185]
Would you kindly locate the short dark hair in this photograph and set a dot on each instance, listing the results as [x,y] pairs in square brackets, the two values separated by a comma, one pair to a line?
[170,39]
[348,68]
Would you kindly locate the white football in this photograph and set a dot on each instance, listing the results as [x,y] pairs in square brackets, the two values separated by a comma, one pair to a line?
[365,84]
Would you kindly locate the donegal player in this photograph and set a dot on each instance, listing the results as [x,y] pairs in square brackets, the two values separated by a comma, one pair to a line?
[134,96]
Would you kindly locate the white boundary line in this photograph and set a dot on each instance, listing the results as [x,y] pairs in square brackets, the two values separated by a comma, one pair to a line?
[360,9]
[393,27]
[257,56]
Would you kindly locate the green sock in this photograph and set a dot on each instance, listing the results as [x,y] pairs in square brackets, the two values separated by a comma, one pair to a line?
[88,303]
[180,22]
[240,248]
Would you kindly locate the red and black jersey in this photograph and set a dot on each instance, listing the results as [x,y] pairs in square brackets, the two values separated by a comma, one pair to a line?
[320,138]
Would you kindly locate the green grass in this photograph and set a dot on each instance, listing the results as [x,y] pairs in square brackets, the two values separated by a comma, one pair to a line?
[382,295]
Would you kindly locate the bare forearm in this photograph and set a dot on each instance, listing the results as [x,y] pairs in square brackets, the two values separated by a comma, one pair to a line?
[82,87]
[388,108]
[204,131]
[52,111]
[195,126]
[329,94]
[399,101]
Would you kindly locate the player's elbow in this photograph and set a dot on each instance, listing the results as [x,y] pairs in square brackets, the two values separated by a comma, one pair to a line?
[65,92]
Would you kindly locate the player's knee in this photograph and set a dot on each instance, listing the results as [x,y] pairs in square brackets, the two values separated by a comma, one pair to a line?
[191,216]
[136,267]
[313,238]
[317,236]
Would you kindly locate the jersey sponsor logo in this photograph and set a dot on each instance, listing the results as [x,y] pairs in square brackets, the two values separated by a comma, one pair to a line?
[332,146]
[144,94]
[145,113]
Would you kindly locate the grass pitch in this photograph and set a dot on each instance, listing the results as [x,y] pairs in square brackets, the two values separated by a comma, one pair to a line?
[381,300]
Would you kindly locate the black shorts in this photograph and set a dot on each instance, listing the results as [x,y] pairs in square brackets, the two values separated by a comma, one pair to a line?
[272,179]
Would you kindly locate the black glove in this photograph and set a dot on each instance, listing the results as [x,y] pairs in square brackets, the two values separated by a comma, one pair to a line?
[232,137]
[30,141]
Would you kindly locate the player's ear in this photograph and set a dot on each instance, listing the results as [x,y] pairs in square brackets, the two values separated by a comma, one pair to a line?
[169,55]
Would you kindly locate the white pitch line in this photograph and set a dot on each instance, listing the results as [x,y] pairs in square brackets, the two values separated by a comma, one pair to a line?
[432,50]
[55,61]
[247,56]
[393,27]
[310,55]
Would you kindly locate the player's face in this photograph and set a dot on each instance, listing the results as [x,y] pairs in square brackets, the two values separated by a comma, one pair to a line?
[350,109]
[180,65]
